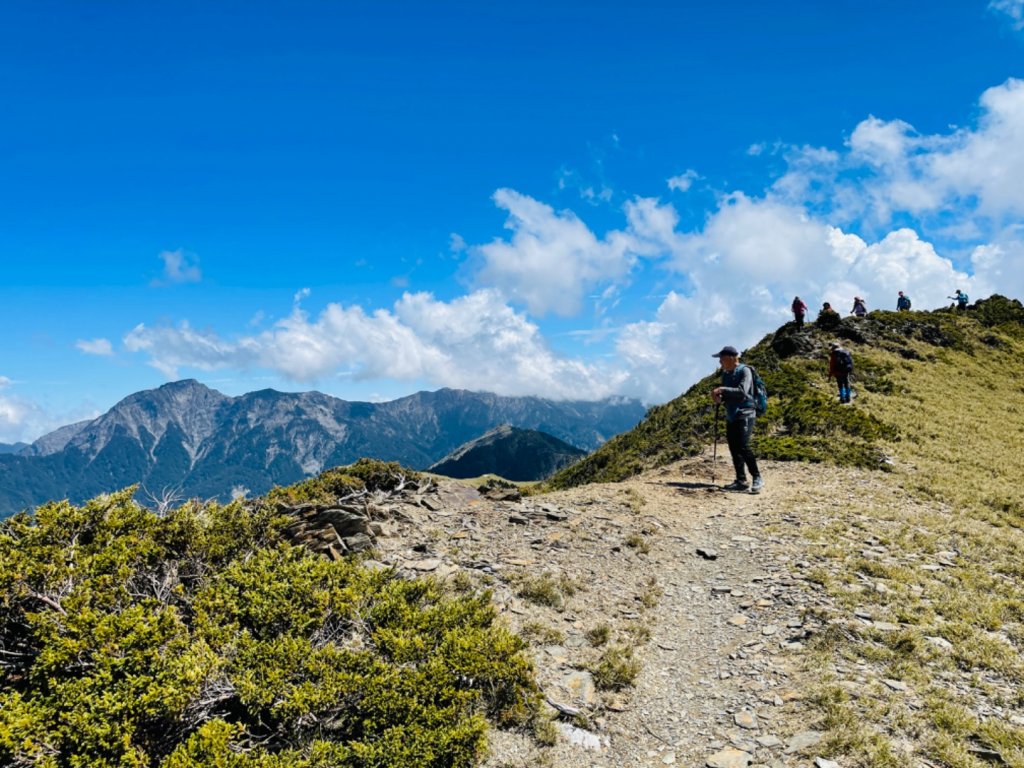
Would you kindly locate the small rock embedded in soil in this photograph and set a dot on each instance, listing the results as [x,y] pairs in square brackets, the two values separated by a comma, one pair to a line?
[801,741]
[730,758]
[746,719]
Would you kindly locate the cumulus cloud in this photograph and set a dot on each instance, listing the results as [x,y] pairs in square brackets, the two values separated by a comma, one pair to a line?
[965,180]
[100,347]
[552,259]
[890,210]
[739,296]
[180,267]
[476,342]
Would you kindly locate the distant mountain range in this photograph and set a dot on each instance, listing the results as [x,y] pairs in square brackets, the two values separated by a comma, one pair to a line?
[512,453]
[201,443]
[12,447]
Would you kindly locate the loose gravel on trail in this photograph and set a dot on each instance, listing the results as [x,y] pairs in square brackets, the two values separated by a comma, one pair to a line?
[705,588]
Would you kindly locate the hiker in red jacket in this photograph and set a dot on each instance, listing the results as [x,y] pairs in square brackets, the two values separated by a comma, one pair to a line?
[799,310]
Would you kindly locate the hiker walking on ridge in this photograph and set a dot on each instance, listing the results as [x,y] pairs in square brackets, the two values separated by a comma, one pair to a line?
[961,300]
[840,366]
[859,307]
[799,311]
[903,303]
[737,392]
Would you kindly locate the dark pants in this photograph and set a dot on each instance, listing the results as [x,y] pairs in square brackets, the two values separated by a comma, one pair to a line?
[799,319]
[737,434]
[843,380]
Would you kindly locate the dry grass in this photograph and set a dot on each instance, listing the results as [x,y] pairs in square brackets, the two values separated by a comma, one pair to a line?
[944,559]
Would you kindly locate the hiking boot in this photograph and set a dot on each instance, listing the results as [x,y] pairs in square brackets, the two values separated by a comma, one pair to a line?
[736,485]
[757,485]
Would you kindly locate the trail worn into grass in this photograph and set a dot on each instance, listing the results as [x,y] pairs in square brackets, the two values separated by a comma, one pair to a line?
[834,616]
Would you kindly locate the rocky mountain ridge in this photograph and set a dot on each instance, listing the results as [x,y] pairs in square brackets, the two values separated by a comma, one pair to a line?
[190,440]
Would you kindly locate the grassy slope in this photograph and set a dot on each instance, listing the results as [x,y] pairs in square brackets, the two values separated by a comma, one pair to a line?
[959,414]
[941,395]
[804,421]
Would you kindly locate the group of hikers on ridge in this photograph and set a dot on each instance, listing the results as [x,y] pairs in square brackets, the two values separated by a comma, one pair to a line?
[860,308]
[744,396]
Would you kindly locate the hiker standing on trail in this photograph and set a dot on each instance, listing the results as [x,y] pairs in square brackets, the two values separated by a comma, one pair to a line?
[840,365]
[737,392]
[859,307]
[961,300]
[903,303]
[799,310]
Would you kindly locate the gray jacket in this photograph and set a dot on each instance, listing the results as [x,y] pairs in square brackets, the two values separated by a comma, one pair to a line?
[738,393]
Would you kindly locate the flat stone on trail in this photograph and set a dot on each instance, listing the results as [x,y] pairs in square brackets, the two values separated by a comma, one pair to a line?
[558,653]
[939,642]
[746,719]
[895,685]
[581,738]
[801,741]
[885,626]
[707,553]
[430,564]
[821,762]
[769,741]
[581,685]
[769,630]
[730,758]
[565,709]
[739,620]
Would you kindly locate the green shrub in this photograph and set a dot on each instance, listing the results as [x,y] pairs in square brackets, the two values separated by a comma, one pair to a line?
[616,669]
[201,639]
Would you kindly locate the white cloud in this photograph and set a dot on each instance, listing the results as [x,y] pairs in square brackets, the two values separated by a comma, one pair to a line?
[22,419]
[966,180]
[552,260]
[179,267]
[1014,9]
[474,342]
[171,348]
[683,181]
[825,230]
[100,347]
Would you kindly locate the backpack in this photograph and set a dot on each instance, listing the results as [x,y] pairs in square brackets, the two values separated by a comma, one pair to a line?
[963,299]
[844,360]
[760,393]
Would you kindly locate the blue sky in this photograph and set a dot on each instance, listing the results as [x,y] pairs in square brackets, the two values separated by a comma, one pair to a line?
[563,198]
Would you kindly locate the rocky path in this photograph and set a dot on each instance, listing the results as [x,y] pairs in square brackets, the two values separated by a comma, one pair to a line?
[703,589]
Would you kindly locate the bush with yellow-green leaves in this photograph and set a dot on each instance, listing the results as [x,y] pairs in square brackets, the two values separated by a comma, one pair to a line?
[200,638]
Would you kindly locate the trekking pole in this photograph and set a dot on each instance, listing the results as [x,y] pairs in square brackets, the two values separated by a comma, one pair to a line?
[714,450]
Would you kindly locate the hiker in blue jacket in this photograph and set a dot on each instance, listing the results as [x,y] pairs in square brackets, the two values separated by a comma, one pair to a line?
[737,392]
